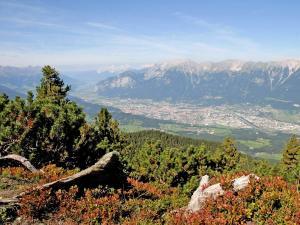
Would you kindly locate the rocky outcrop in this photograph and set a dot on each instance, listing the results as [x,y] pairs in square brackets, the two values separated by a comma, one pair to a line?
[205,191]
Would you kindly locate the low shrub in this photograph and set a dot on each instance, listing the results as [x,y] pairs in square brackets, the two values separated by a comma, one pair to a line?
[270,200]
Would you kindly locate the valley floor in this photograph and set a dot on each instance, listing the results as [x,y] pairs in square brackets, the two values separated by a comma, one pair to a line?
[259,131]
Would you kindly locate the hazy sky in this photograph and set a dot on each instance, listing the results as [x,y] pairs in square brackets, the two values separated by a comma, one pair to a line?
[87,33]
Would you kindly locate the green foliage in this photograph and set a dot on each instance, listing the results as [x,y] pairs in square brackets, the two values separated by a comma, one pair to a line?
[183,166]
[52,129]
[7,214]
[42,129]
[52,87]
[3,101]
[257,166]
[137,140]
[227,156]
[290,163]
[170,165]
[97,139]
[291,153]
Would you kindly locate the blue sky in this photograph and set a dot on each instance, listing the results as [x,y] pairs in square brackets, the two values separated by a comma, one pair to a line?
[90,33]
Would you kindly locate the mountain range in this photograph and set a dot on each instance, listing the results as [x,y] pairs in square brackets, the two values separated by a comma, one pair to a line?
[18,80]
[228,81]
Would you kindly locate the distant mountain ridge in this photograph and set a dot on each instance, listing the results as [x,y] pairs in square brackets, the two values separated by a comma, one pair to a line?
[10,92]
[228,81]
[16,80]
[19,79]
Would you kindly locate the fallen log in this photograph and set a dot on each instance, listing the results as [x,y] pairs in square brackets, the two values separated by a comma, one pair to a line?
[17,160]
[8,201]
[107,171]
[204,191]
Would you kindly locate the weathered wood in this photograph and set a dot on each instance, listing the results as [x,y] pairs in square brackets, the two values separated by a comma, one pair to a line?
[8,201]
[203,192]
[17,160]
[108,170]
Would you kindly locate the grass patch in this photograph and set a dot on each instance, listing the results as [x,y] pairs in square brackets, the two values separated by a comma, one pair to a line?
[268,156]
[256,144]
[171,127]
[132,126]
[222,131]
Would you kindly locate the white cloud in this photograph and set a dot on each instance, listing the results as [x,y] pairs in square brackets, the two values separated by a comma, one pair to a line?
[103,26]
[202,23]
[224,33]
[97,42]
[13,5]
[26,22]
[211,48]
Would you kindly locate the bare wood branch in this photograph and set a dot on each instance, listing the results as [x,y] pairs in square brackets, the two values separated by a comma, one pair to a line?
[108,170]
[19,160]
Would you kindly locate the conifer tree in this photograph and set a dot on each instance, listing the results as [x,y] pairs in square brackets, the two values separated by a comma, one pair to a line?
[99,138]
[43,129]
[291,154]
[227,156]
[3,101]
[51,87]
[52,129]
[30,99]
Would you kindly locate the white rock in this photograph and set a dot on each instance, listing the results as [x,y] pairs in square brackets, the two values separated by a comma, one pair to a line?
[242,182]
[203,192]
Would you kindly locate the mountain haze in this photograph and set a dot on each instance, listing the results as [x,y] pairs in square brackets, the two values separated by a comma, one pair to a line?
[18,80]
[223,82]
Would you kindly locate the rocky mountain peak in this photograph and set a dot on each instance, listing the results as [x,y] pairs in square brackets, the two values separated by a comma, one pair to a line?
[230,80]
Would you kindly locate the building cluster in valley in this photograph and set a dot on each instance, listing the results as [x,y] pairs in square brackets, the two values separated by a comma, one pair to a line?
[247,117]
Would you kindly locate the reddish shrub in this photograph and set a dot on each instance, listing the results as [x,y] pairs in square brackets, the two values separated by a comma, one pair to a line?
[270,200]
